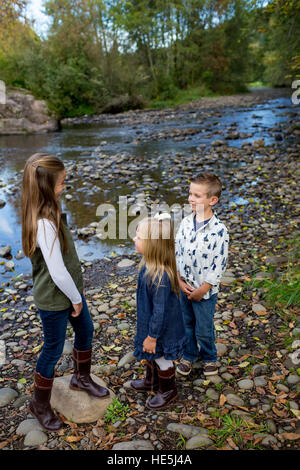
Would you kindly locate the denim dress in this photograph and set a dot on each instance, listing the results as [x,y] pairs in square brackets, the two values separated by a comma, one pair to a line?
[159,316]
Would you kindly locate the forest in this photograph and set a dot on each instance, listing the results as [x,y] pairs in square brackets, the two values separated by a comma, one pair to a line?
[114,55]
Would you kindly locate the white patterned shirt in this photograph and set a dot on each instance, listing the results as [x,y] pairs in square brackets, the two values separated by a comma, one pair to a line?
[201,255]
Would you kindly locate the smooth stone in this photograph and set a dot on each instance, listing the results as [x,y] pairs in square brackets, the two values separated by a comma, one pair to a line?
[242,414]
[5,251]
[133,445]
[221,349]
[125,263]
[35,438]
[259,368]
[246,384]
[234,400]
[78,406]
[103,308]
[227,376]
[111,330]
[258,308]
[260,381]
[198,441]
[293,379]
[68,348]
[294,405]
[127,359]
[272,426]
[266,442]
[7,395]
[123,326]
[282,388]
[212,394]
[186,430]
[2,203]
[28,425]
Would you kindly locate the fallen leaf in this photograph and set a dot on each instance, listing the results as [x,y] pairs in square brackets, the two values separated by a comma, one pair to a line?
[142,429]
[73,438]
[223,399]
[295,412]
[3,444]
[244,364]
[291,436]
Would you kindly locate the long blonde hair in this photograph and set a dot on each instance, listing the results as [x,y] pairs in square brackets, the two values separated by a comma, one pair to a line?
[38,199]
[159,251]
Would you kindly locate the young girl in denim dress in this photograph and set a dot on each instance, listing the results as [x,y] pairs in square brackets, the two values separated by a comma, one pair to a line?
[160,336]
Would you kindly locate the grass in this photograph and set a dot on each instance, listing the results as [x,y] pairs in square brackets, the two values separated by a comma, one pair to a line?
[283,290]
[234,427]
[183,96]
[116,412]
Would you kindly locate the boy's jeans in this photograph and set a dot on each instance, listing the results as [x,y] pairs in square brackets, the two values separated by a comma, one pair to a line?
[54,329]
[199,326]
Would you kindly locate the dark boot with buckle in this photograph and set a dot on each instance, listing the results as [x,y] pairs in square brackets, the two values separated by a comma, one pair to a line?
[39,405]
[167,391]
[81,379]
[150,382]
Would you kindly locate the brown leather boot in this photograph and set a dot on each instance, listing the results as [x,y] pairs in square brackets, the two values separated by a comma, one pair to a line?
[81,379]
[40,403]
[167,391]
[150,382]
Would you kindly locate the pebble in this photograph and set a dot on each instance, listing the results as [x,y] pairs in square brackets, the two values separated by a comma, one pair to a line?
[234,400]
[212,394]
[127,359]
[198,441]
[5,251]
[133,445]
[35,438]
[28,425]
[9,266]
[259,368]
[186,430]
[260,381]
[266,442]
[293,379]
[221,349]
[7,395]
[282,388]
[246,384]
[125,263]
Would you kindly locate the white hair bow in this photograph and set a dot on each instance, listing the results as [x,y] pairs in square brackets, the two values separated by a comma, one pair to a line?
[162,216]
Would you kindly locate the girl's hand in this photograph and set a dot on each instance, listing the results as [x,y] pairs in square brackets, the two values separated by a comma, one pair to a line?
[77,309]
[149,345]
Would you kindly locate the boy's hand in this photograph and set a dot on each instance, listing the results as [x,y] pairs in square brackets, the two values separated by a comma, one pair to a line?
[149,345]
[196,295]
[77,309]
[199,293]
[186,289]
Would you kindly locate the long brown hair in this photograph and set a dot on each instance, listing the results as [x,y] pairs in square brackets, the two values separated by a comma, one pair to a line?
[38,199]
[159,251]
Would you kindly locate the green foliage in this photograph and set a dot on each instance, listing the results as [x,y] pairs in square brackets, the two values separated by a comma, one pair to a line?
[162,53]
[284,290]
[116,412]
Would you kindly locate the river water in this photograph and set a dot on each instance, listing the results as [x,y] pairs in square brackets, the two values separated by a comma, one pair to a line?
[144,139]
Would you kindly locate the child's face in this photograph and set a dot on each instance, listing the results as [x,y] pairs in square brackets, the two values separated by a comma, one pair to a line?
[60,183]
[139,239]
[198,198]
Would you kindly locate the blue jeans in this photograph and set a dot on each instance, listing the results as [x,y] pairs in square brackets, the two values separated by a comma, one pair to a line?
[54,329]
[199,327]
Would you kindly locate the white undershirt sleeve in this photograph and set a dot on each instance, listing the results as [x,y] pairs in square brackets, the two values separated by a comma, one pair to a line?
[60,275]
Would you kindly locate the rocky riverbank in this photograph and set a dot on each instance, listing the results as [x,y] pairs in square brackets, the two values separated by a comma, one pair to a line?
[252,402]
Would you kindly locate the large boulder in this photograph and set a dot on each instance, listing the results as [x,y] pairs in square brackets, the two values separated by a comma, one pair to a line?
[23,114]
[77,406]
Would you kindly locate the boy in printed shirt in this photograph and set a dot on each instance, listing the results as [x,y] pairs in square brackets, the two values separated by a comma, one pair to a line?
[201,257]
